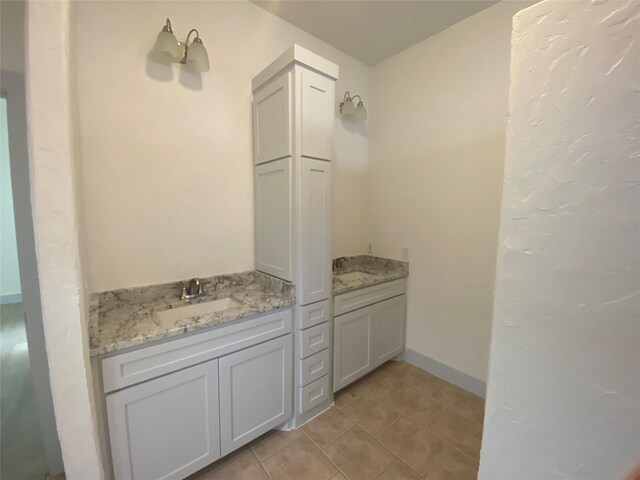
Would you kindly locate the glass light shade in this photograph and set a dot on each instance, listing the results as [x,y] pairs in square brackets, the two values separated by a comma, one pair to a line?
[347,107]
[197,57]
[167,49]
[361,113]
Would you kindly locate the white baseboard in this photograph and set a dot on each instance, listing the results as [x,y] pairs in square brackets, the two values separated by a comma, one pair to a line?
[450,374]
[11,298]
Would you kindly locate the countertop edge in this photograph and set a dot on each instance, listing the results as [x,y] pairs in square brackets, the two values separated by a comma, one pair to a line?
[370,283]
[137,342]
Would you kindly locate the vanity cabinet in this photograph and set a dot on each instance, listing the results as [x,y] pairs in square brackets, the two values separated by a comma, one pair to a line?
[294,112]
[256,392]
[209,394]
[366,337]
[274,218]
[167,427]
[272,121]
[389,321]
[316,114]
[293,118]
[352,346]
[315,243]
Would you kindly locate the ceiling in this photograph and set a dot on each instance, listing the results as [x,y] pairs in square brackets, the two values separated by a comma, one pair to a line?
[373,30]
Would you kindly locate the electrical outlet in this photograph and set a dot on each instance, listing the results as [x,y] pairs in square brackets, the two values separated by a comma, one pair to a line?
[404,252]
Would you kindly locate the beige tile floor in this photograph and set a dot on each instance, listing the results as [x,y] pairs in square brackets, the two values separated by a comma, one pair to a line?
[397,423]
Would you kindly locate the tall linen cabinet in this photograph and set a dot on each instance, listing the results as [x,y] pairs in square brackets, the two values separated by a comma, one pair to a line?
[293,117]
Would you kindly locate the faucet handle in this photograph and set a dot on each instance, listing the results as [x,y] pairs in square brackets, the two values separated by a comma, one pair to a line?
[183,295]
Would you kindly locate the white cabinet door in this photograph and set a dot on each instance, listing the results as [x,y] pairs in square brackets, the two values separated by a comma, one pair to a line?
[352,346]
[167,428]
[388,329]
[273,211]
[272,120]
[315,231]
[256,391]
[317,114]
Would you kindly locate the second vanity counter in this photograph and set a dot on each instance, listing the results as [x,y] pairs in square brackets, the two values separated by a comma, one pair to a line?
[362,271]
[125,318]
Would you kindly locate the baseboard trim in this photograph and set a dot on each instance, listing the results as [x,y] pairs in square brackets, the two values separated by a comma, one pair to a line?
[11,298]
[450,374]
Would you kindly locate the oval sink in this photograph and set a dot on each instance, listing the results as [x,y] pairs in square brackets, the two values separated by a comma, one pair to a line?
[195,310]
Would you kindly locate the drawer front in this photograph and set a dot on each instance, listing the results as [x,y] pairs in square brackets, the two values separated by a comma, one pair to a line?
[149,362]
[313,367]
[314,314]
[314,394]
[366,296]
[313,340]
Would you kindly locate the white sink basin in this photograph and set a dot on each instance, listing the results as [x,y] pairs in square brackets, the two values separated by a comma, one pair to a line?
[354,276]
[175,314]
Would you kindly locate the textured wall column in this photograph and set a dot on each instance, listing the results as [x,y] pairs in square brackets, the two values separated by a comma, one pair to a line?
[57,236]
[564,382]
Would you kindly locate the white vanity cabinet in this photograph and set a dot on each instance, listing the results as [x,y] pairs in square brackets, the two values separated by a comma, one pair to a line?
[272,121]
[369,330]
[352,346]
[167,427]
[256,392]
[294,112]
[175,407]
[274,218]
[315,224]
[316,114]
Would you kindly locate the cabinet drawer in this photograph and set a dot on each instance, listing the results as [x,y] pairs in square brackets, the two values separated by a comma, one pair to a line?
[314,314]
[366,296]
[313,367]
[149,362]
[314,394]
[314,340]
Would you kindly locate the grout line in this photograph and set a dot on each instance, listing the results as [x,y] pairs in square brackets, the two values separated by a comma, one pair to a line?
[392,452]
[327,456]
[451,445]
[335,439]
[431,397]
[437,416]
[277,450]
[402,415]
[330,441]
[264,469]
[432,466]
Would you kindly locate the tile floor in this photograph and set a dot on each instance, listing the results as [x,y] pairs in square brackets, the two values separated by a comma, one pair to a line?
[397,423]
[22,452]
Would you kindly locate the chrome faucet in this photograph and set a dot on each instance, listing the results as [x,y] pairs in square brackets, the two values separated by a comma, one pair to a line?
[338,263]
[195,290]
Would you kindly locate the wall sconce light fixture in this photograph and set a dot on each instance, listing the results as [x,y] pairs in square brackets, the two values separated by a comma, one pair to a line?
[169,50]
[357,113]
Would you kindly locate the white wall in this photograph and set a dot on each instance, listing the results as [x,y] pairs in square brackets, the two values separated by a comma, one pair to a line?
[9,271]
[437,134]
[564,385]
[54,200]
[167,155]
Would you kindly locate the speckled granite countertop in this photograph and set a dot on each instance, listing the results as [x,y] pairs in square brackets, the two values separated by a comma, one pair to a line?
[380,270]
[126,318]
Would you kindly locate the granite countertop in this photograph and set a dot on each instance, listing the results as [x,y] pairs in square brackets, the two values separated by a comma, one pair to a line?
[380,270]
[126,318]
